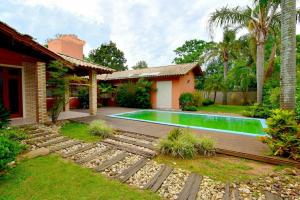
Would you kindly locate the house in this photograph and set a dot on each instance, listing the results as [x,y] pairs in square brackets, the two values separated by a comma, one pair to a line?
[23,74]
[169,82]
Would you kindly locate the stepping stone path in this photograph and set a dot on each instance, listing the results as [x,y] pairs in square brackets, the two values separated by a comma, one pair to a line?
[127,157]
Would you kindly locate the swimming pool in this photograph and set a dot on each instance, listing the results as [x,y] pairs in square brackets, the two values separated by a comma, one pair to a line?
[228,124]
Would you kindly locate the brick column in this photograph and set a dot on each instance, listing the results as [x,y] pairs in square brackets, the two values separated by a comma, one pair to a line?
[67,97]
[93,92]
[41,92]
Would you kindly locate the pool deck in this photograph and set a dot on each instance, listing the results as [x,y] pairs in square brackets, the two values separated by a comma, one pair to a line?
[227,141]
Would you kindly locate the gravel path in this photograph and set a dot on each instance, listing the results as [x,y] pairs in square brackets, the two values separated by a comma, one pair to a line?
[142,177]
[121,165]
[210,189]
[172,186]
[103,157]
[99,147]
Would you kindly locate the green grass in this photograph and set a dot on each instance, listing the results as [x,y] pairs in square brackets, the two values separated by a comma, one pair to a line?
[51,177]
[220,168]
[223,109]
[78,131]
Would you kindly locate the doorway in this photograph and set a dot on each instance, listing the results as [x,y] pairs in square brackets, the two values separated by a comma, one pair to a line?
[11,90]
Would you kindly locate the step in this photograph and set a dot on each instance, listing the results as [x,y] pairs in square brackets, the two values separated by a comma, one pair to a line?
[53,142]
[127,173]
[64,146]
[137,143]
[112,161]
[87,147]
[139,136]
[92,156]
[129,149]
[158,179]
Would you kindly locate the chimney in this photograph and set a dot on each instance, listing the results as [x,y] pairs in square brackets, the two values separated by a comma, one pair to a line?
[69,45]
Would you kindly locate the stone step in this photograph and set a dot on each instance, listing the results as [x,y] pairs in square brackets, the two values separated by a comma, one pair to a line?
[190,188]
[158,179]
[138,136]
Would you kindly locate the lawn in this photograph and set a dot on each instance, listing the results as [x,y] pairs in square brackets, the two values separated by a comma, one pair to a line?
[51,177]
[78,131]
[223,109]
[220,167]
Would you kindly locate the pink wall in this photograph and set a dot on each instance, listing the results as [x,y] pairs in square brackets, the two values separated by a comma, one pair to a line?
[180,84]
[69,45]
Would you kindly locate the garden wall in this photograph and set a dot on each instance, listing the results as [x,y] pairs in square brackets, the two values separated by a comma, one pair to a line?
[234,98]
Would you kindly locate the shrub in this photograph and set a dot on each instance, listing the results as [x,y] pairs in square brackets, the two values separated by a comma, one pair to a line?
[190,108]
[179,143]
[257,111]
[284,134]
[182,143]
[207,102]
[197,98]
[14,134]
[4,116]
[100,128]
[83,97]
[134,95]
[275,97]
[186,99]
[206,146]
[8,151]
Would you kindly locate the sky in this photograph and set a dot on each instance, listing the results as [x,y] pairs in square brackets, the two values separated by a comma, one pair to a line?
[147,30]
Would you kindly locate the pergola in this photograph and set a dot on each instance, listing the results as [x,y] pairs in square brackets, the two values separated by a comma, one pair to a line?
[20,52]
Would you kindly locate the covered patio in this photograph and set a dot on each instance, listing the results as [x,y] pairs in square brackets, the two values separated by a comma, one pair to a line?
[24,73]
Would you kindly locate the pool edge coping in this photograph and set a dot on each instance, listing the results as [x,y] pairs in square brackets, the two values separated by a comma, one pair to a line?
[262,121]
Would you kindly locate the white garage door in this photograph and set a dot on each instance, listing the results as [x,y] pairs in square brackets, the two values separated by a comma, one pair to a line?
[164,94]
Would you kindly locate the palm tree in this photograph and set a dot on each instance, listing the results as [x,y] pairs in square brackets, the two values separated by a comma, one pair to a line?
[222,50]
[259,20]
[288,54]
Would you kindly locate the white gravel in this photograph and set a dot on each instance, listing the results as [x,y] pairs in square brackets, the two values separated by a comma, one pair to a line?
[99,147]
[141,178]
[121,165]
[174,183]
[100,159]
[210,189]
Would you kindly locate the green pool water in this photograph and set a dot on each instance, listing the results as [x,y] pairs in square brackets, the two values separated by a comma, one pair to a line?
[229,124]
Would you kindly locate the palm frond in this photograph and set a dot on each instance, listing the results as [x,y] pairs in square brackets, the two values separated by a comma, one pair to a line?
[229,17]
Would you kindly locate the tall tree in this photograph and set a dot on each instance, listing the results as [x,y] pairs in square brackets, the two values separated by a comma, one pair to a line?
[140,65]
[223,50]
[259,20]
[110,56]
[288,54]
[190,51]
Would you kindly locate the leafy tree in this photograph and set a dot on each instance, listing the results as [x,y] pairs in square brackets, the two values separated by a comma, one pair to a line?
[225,51]
[214,80]
[241,78]
[259,20]
[57,86]
[190,51]
[140,65]
[109,55]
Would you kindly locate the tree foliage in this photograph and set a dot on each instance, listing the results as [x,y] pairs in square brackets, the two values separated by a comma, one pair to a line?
[57,84]
[109,55]
[140,65]
[190,51]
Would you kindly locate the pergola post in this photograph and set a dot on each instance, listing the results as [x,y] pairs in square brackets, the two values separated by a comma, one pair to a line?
[41,102]
[93,92]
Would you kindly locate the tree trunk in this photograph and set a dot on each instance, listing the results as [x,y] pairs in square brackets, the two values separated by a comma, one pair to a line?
[288,55]
[225,78]
[260,58]
[215,96]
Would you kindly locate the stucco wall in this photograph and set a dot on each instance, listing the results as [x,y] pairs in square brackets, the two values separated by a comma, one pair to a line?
[67,44]
[180,84]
